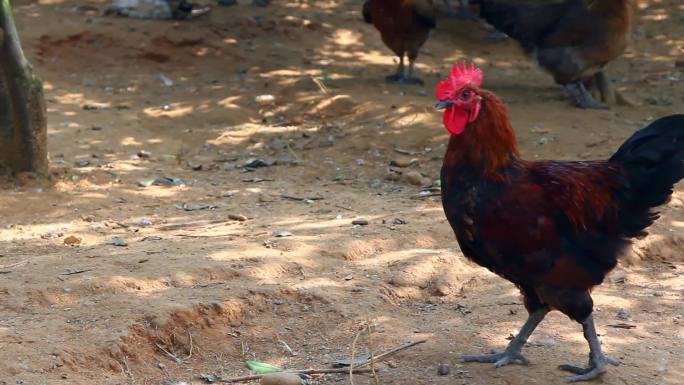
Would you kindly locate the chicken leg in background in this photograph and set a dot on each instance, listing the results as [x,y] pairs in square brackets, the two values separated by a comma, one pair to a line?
[404,27]
[553,228]
[463,10]
[572,40]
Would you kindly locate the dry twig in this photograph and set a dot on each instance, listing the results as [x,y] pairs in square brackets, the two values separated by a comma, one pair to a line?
[369,326]
[253,377]
[353,352]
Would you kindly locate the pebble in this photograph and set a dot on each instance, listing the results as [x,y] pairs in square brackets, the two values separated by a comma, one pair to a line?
[443,369]
[197,166]
[144,154]
[360,222]
[623,315]
[72,240]
[280,379]
[281,234]
[414,178]
[118,242]
[264,100]
[237,217]
[404,162]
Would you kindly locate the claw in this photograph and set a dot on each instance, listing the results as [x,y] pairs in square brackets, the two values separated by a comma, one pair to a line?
[590,375]
[594,370]
[498,358]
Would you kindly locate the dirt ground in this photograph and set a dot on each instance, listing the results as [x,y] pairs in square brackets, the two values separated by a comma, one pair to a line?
[194,291]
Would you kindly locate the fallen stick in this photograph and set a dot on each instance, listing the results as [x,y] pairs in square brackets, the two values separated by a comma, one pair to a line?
[252,377]
[356,369]
[390,352]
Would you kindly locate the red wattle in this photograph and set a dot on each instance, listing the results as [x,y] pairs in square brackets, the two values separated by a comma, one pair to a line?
[455,120]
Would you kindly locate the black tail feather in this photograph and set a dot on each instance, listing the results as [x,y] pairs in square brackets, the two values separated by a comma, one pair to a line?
[653,161]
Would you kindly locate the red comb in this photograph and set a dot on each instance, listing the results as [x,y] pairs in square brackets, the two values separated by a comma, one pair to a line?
[460,76]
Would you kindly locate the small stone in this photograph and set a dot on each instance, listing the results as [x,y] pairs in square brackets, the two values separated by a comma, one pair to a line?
[144,154]
[196,166]
[360,222]
[443,369]
[144,222]
[237,217]
[658,293]
[414,178]
[146,182]
[165,80]
[52,235]
[82,163]
[72,240]
[280,379]
[375,183]
[623,315]
[404,162]
[118,242]
[281,234]
[393,176]
[264,100]
[349,277]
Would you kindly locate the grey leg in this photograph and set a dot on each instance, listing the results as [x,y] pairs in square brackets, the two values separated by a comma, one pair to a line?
[580,97]
[412,78]
[399,76]
[512,351]
[598,362]
[605,87]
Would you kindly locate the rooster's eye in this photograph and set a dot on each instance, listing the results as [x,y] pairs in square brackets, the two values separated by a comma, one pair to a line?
[465,95]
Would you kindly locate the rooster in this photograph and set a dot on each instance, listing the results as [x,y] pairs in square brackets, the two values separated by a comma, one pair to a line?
[552,228]
[572,40]
[404,27]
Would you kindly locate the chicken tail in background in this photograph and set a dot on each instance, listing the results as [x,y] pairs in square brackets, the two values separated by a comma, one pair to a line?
[653,161]
[504,18]
[572,40]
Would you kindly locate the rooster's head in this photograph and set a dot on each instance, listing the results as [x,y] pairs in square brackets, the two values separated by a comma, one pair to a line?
[458,97]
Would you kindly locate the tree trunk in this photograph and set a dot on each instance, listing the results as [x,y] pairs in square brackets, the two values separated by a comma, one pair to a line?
[23,124]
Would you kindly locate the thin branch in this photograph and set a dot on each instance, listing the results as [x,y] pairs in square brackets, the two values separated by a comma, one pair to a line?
[253,377]
[353,352]
[391,352]
[370,349]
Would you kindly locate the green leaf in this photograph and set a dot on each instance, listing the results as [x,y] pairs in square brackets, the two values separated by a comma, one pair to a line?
[262,367]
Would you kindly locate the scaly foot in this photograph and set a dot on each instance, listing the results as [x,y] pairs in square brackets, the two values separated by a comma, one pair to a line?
[499,358]
[581,98]
[594,369]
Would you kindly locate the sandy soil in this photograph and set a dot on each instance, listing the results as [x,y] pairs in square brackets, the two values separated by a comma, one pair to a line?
[213,291]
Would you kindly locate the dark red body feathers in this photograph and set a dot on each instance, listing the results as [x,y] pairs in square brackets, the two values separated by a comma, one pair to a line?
[554,228]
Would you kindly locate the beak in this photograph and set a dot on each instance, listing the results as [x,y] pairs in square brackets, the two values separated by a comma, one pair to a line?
[442,104]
